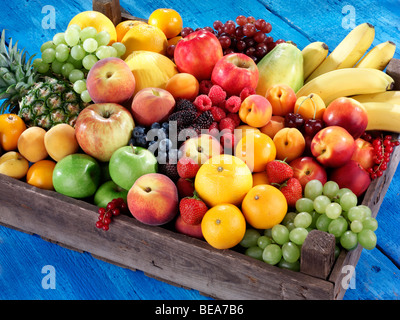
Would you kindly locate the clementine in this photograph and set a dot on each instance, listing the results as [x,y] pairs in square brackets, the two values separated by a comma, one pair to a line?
[11,127]
[123,27]
[168,20]
[264,206]
[223,226]
[40,174]
[260,178]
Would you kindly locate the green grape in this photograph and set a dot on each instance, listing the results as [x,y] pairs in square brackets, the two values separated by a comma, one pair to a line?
[290,226]
[272,254]
[367,239]
[314,216]
[370,223]
[112,51]
[295,266]
[367,210]
[85,96]
[330,189]
[120,47]
[72,37]
[47,45]
[80,86]
[323,222]
[90,45]
[356,213]
[41,66]
[263,241]
[74,26]
[337,251]
[290,252]
[48,55]
[250,238]
[77,52]
[339,194]
[103,38]
[348,200]
[348,240]
[313,189]
[320,203]
[333,210]
[89,61]
[88,32]
[77,63]
[356,226]
[289,217]
[304,205]
[56,66]
[268,233]
[298,235]
[62,52]
[66,69]
[280,234]
[302,220]
[76,75]
[59,39]
[337,227]
[36,62]
[102,52]
[254,252]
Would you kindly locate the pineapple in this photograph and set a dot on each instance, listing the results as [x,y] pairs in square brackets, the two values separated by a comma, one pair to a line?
[40,100]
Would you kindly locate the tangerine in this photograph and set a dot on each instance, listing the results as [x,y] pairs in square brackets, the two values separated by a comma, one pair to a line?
[40,174]
[123,27]
[260,178]
[168,20]
[11,127]
[223,226]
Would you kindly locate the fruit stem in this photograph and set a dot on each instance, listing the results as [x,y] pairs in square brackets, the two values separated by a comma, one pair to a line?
[156,93]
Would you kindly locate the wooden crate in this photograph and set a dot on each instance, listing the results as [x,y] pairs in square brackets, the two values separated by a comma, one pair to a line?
[174,257]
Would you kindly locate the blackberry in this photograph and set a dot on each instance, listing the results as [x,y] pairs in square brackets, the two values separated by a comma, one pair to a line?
[170,170]
[204,120]
[183,118]
[184,104]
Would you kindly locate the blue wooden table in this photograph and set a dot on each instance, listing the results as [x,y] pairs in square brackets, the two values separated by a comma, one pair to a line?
[27,260]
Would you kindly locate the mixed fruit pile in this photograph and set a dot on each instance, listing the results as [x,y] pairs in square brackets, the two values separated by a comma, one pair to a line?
[220,133]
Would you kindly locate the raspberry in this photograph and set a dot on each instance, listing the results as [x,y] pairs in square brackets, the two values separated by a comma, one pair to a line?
[227,123]
[233,104]
[222,105]
[205,86]
[213,129]
[218,113]
[246,91]
[216,94]
[228,140]
[235,117]
[202,102]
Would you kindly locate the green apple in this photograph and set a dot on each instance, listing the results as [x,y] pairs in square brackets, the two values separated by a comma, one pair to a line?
[107,192]
[77,176]
[129,163]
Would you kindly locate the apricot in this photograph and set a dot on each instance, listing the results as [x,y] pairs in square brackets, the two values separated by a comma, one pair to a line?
[310,107]
[282,98]
[273,126]
[60,141]
[31,144]
[289,144]
[255,111]
[184,86]
[14,165]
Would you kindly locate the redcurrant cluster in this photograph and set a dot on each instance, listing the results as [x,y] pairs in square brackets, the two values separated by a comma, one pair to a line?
[383,146]
[114,208]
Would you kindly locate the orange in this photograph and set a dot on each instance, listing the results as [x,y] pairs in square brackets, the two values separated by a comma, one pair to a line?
[40,174]
[174,40]
[123,27]
[97,20]
[264,206]
[242,130]
[256,149]
[11,127]
[168,20]
[184,86]
[260,178]
[223,179]
[223,226]
[144,37]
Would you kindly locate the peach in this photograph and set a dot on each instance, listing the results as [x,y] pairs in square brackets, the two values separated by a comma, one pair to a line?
[60,141]
[183,86]
[110,80]
[289,143]
[282,98]
[153,199]
[201,148]
[363,153]
[310,107]
[333,146]
[152,105]
[273,126]
[31,144]
[14,165]
[192,230]
[255,110]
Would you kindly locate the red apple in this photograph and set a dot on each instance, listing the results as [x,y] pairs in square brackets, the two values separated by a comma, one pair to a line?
[364,153]
[333,146]
[197,54]
[153,199]
[103,128]
[110,80]
[235,71]
[201,148]
[306,169]
[192,230]
[351,176]
[347,113]
[152,105]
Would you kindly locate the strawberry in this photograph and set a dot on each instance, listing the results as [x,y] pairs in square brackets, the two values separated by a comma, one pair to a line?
[292,191]
[192,209]
[187,168]
[278,171]
[185,187]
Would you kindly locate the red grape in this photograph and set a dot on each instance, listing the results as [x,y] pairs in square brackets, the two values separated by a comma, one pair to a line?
[249,29]
[250,19]
[225,42]
[186,31]
[218,25]
[241,20]
[260,24]
[259,36]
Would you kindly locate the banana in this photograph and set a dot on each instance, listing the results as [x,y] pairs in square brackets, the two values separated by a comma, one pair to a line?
[378,57]
[387,96]
[383,116]
[313,55]
[347,82]
[348,51]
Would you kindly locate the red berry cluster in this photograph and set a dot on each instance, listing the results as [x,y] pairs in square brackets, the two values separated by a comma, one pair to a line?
[383,147]
[114,208]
